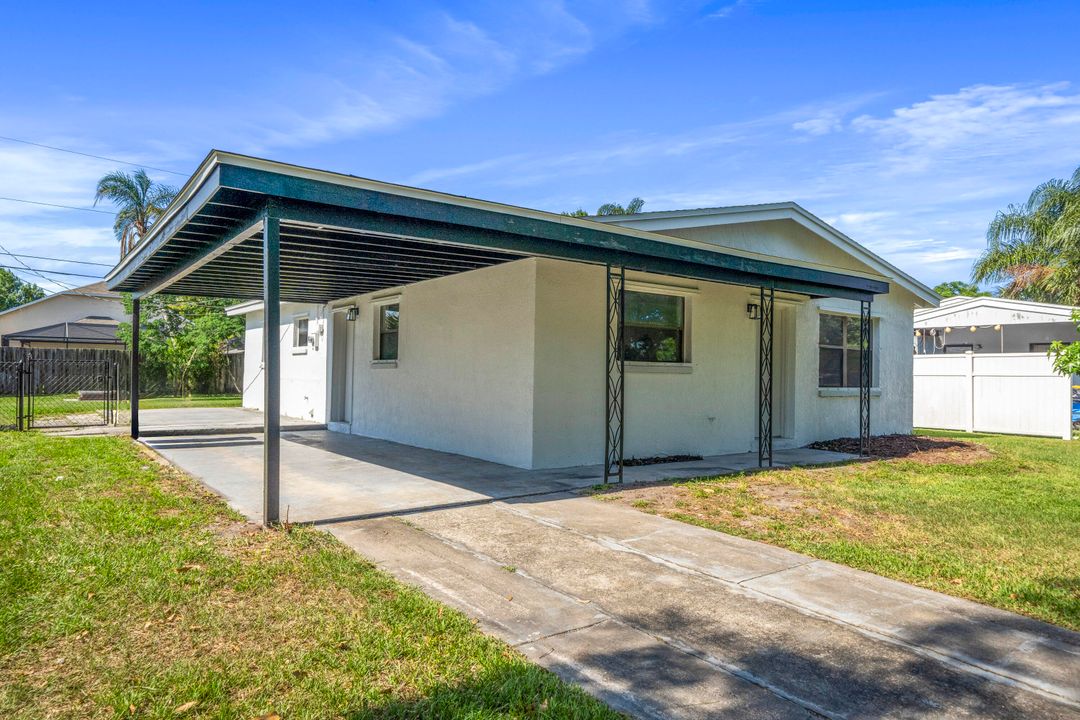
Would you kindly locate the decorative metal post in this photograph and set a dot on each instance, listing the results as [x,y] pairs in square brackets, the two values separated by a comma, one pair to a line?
[866,372]
[614,388]
[135,321]
[271,367]
[765,377]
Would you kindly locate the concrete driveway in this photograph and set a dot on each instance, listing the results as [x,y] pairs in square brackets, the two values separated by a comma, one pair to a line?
[658,618]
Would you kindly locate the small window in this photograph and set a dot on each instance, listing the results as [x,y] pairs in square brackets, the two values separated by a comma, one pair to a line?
[300,332]
[838,351]
[655,328]
[389,317]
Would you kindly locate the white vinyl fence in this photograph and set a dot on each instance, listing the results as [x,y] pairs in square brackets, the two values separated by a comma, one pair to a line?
[1015,393]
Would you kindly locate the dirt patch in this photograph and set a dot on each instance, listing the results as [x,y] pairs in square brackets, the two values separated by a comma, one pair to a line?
[928,450]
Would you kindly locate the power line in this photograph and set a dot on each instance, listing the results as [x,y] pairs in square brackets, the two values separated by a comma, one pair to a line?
[50,272]
[90,155]
[65,207]
[78,262]
[26,267]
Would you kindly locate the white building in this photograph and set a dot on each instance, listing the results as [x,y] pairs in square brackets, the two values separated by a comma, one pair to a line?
[507,362]
[992,325]
[86,317]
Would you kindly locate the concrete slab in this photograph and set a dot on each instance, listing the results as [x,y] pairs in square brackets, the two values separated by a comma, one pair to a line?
[722,556]
[504,601]
[821,665]
[637,674]
[1000,642]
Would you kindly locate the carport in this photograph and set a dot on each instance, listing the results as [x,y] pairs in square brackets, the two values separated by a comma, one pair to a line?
[253,229]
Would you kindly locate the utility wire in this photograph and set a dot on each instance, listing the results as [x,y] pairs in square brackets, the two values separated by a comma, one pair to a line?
[65,207]
[50,272]
[77,262]
[90,155]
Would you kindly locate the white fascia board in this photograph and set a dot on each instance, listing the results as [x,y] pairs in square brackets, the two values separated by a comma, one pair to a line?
[706,217]
[244,308]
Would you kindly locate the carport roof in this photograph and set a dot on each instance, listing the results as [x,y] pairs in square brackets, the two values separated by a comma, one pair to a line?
[343,235]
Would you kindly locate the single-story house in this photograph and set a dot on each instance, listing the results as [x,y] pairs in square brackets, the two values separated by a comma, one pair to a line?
[530,338]
[992,325]
[85,317]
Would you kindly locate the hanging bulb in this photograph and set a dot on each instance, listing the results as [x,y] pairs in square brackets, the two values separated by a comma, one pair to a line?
[948,329]
[918,333]
[997,327]
[973,328]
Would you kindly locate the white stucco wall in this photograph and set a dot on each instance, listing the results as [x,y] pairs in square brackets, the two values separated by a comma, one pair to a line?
[303,370]
[463,379]
[709,406]
[507,364]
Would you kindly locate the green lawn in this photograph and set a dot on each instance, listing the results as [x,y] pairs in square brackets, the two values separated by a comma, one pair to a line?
[127,591]
[56,405]
[1001,527]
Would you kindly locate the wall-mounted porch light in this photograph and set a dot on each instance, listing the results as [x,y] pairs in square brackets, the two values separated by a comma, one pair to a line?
[352,313]
[753,311]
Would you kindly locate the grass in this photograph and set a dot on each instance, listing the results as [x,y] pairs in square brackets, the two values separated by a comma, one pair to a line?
[127,591]
[1001,528]
[69,404]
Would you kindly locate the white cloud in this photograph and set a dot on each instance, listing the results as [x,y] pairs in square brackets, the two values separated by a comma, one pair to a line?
[977,122]
[447,60]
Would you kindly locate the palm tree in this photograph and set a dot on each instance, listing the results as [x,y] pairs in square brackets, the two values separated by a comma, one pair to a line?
[139,201]
[1034,248]
[632,207]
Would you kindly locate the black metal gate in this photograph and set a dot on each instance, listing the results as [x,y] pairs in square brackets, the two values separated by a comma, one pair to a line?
[47,389]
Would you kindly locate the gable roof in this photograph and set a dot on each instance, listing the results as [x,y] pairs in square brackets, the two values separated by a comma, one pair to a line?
[97,291]
[1016,312]
[730,215]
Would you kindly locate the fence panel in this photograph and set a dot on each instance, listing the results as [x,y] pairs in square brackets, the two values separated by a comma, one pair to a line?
[1017,393]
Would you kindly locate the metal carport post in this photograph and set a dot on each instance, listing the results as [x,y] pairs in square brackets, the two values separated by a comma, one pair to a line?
[271,366]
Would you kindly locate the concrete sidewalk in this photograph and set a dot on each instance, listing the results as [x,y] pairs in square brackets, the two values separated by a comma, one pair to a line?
[658,618]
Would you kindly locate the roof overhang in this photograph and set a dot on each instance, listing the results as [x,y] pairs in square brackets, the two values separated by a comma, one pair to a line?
[342,235]
[790,211]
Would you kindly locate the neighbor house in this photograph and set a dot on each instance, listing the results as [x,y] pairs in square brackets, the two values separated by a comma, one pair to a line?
[992,325]
[507,362]
[85,317]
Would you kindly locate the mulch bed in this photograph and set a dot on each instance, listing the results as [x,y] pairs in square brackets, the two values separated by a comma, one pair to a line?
[660,459]
[916,447]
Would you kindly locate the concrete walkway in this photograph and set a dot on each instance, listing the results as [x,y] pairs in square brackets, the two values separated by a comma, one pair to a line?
[658,618]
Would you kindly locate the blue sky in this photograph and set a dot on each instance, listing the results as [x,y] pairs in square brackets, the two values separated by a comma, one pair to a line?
[907,125]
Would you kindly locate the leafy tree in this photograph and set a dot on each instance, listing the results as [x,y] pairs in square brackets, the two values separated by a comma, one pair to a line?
[139,201]
[1034,248]
[1066,356]
[15,291]
[954,288]
[631,208]
[183,340]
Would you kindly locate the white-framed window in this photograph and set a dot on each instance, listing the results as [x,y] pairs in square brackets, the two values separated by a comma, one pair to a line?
[387,325]
[838,351]
[300,333]
[654,327]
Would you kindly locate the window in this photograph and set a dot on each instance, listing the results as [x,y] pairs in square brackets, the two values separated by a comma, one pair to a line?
[838,351]
[654,327]
[300,333]
[389,317]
